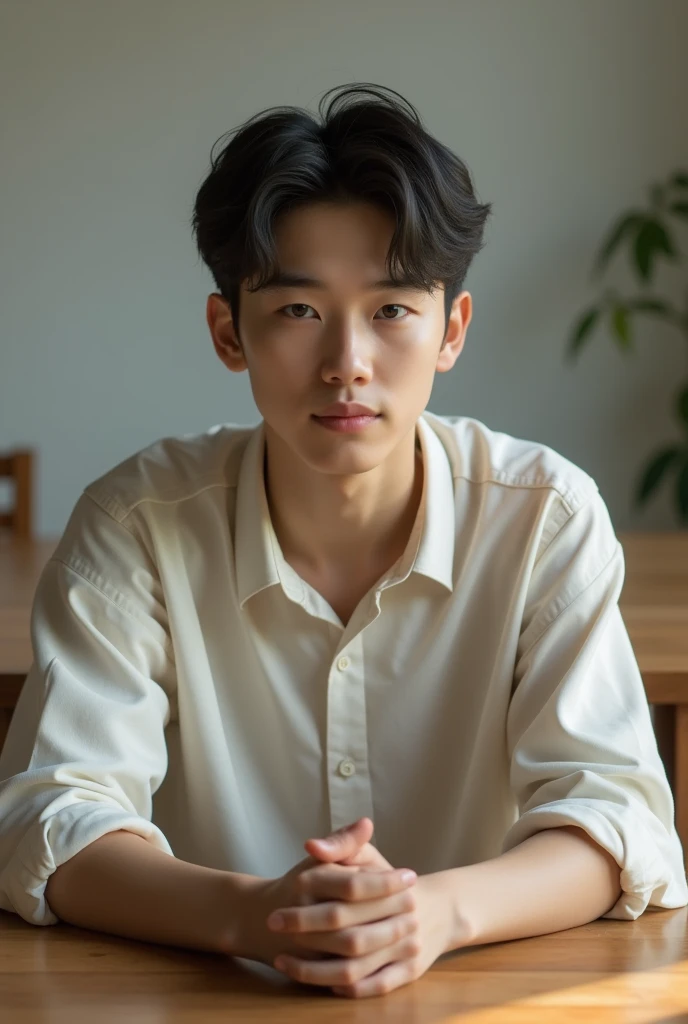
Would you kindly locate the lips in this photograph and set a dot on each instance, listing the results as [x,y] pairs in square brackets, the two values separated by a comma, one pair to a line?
[343,410]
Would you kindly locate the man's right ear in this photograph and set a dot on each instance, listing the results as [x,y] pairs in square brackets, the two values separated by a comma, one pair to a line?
[221,326]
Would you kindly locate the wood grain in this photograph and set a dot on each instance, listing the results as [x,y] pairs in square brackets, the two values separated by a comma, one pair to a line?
[602,972]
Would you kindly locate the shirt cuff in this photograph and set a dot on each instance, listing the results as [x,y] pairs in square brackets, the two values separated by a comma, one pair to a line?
[650,859]
[56,839]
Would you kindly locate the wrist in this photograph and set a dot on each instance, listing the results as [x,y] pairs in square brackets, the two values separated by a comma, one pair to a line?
[458,925]
[240,904]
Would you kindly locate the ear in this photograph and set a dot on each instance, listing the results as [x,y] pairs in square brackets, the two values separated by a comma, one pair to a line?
[223,333]
[457,325]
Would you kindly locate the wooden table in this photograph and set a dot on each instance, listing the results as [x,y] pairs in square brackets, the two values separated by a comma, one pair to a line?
[654,605]
[635,972]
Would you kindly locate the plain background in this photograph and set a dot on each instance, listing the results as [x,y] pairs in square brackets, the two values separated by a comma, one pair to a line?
[564,111]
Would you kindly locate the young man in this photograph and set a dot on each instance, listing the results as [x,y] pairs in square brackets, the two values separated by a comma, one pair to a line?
[355,614]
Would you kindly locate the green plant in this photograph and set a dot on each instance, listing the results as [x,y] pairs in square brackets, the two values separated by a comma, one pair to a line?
[648,235]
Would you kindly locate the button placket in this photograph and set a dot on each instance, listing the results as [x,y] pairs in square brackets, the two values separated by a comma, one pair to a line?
[347,747]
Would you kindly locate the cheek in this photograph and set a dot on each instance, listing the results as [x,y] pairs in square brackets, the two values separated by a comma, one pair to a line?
[280,380]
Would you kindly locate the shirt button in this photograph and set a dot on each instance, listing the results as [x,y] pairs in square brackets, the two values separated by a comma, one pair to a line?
[346,767]
[343,663]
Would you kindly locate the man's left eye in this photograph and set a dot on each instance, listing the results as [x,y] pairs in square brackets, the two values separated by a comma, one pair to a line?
[394,305]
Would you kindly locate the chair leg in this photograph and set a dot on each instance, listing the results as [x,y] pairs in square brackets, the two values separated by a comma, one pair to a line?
[10,688]
[5,719]
[664,716]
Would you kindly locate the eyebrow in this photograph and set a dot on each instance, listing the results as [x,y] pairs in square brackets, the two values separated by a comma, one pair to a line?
[284,279]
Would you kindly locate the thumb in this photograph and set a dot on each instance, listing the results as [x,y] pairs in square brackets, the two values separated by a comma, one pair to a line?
[345,842]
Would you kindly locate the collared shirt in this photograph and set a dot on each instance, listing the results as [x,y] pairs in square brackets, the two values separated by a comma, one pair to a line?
[189,686]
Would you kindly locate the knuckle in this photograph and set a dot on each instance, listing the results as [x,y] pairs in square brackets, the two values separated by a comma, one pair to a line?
[296,970]
[407,923]
[349,974]
[351,887]
[409,900]
[413,946]
[333,917]
[353,944]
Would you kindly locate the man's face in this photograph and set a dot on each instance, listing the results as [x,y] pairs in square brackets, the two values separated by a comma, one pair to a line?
[307,345]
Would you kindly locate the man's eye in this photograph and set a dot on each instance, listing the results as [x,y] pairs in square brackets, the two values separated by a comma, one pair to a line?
[395,305]
[296,305]
[303,305]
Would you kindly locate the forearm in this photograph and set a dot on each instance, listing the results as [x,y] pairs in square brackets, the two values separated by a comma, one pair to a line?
[124,885]
[559,878]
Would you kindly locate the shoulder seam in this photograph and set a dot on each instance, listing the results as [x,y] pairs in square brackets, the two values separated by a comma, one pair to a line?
[109,502]
[564,493]
[123,606]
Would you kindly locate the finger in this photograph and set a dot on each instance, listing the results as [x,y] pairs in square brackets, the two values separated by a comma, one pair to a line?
[368,858]
[345,842]
[336,915]
[361,939]
[346,971]
[392,976]
[351,884]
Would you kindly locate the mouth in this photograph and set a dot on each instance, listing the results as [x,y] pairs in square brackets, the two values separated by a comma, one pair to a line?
[346,424]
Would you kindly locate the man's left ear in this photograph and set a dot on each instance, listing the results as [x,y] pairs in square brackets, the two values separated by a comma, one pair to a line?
[455,335]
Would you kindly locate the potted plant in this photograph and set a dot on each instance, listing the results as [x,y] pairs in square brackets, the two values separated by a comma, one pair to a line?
[647,233]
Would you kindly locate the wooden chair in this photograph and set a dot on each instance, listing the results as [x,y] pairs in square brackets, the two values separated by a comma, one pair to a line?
[18,466]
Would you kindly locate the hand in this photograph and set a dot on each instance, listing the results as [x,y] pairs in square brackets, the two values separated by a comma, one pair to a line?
[367,891]
[380,956]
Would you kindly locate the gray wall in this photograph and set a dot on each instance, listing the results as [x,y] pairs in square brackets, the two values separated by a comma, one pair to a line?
[563,110]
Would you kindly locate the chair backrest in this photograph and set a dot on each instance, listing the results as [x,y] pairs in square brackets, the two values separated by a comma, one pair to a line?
[18,465]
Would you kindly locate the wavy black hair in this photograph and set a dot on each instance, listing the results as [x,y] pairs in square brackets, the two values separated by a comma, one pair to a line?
[370,145]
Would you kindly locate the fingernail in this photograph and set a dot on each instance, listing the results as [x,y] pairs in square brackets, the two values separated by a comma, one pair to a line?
[326,842]
[408,876]
[276,921]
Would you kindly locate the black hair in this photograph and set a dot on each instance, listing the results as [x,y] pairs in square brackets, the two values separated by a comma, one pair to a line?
[368,147]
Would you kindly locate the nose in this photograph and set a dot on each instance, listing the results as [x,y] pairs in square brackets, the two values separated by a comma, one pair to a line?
[347,357]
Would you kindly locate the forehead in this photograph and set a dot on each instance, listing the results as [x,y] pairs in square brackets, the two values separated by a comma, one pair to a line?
[326,246]
[334,237]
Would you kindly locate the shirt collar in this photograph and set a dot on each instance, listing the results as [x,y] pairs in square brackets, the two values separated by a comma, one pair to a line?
[260,562]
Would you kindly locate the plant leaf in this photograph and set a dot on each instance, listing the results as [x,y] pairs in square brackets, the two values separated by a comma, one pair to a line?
[682,490]
[680,179]
[680,209]
[682,407]
[650,306]
[621,325]
[582,329]
[627,223]
[652,238]
[654,472]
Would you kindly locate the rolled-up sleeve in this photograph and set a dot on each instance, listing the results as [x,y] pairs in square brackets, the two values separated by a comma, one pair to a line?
[86,748]
[580,738]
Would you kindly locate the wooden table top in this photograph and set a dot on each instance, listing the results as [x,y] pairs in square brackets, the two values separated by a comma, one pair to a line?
[654,599]
[602,972]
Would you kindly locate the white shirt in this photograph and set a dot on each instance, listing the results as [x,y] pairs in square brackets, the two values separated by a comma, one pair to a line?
[190,687]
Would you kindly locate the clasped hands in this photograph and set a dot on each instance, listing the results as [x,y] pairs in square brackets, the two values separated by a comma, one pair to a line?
[359,926]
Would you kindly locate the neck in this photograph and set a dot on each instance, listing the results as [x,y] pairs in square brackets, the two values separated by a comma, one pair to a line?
[355,522]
